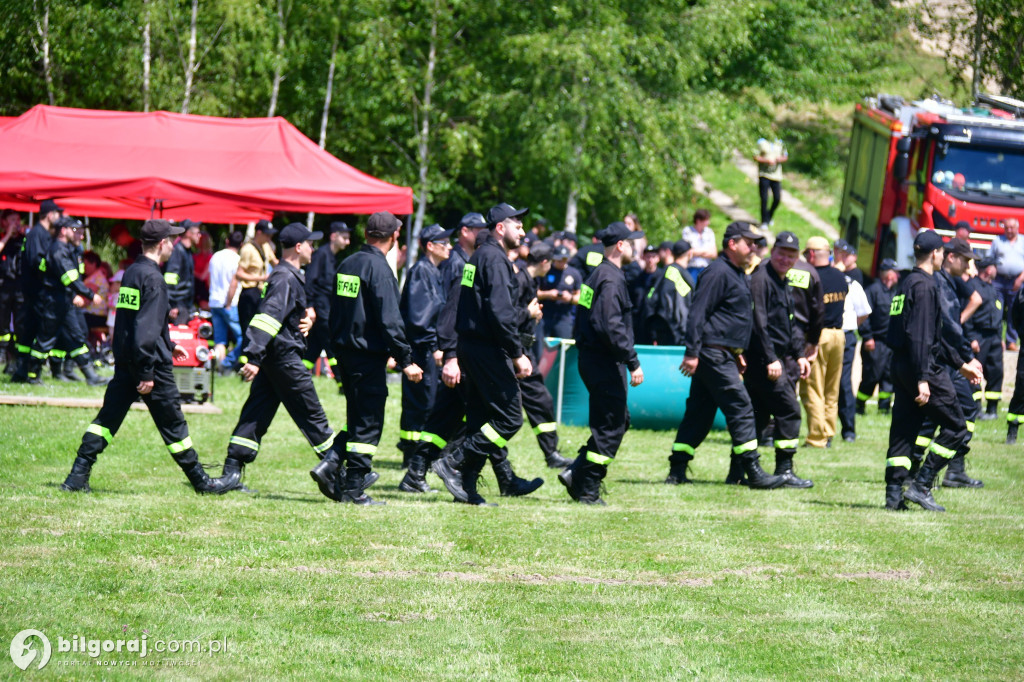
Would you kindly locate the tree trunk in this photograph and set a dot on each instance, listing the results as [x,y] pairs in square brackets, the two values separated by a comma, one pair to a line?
[327,110]
[43,47]
[190,70]
[570,211]
[978,49]
[146,56]
[278,59]
[423,143]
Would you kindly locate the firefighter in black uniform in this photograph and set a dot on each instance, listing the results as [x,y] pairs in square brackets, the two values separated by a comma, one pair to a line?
[668,301]
[63,292]
[954,295]
[537,402]
[12,237]
[921,355]
[451,269]
[420,305]
[588,258]
[875,355]
[366,327]
[321,278]
[491,358]
[180,274]
[272,360]
[608,363]
[776,360]
[558,291]
[1015,411]
[984,331]
[717,334]
[143,360]
[33,265]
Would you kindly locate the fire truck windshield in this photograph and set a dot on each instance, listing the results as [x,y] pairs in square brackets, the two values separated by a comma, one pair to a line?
[980,170]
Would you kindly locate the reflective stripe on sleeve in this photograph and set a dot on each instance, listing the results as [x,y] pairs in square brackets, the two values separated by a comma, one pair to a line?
[265,323]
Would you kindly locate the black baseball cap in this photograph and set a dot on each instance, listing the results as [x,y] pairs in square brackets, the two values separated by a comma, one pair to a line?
[185,224]
[265,227]
[435,233]
[337,227]
[928,240]
[156,229]
[843,245]
[560,253]
[49,205]
[473,221]
[787,240]
[664,245]
[961,248]
[295,233]
[987,261]
[567,236]
[504,212]
[741,230]
[680,248]
[617,232]
[650,248]
[529,238]
[68,221]
[887,264]
[382,224]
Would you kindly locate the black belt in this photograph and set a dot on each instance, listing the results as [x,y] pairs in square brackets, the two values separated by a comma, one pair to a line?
[734,351]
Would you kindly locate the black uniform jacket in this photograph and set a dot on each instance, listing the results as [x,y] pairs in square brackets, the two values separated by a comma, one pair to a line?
[604,321]
[63,271]
[179,273]
[667,305]
[321,275]
[364,311]
[877,324]
[953,293]
[915,326]
[720,314]
[988,318]
[421,303]
[274,329]
[772,334]
[808,300]
[451,268]
[141,338]
[487,310]
[36,244]
[587,259]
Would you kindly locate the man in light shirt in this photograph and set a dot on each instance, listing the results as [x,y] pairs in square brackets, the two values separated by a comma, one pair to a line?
[1009,252]
[855,311]
[224,301]
[701,239]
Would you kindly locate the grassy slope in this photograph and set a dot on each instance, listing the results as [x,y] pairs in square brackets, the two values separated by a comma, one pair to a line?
[702,581]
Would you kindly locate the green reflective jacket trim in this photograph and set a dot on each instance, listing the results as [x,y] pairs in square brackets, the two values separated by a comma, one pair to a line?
[787,444]
[42,265]
[942,451]
[749,446]
[68,277]
[180,446]
[171,278]
[682,447]
[361,448]
[468,275]
[977,395]
[245,443]
[970,427]
[128,298]
[672,275]
[348,286]
[598,458]
[427,437]
[331,362]
[898,462]
[308,364]
[493,436]
[594,258]
[586,296]
[409,435]
[101,431]
[325,446]
[922,441]
[546,427]
[863,397]
[22,349]
[265,323]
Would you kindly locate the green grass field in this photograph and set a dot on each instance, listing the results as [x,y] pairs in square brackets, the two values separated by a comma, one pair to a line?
[696,582]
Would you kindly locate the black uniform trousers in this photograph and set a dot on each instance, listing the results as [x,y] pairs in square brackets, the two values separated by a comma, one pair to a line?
[58,321]
[607,382]
[282,380]
[990,356]
[248,306]
[847,405]
[943,408]
[969,408]
[364,380]
[1015,411]
[26,324]
[874,372]
[776,399]
[164,403]
[494,408]
[418,398]
[319,341]
[11,302]
[73,339]
[445,422]
[716,385]
[538,404]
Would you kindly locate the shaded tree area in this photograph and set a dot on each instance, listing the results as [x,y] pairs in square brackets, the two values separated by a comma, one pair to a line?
[585,108]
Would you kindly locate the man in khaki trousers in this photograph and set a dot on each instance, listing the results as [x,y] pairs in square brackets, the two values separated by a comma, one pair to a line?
[819,393]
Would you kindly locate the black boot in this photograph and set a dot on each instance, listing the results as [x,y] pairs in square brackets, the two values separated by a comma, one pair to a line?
[78,479]
[471,466]
[325,474]
[554,460]
[588,485]
[197,476]
[677,470]
[894,497]
[231,476]
[1011,433]
[736,476]
[861,407]
[91,377]
[57,369]
[920,491]
[451,476]
[353,487]
[567,477]
[509,483]
[415,480]
[884,407]
[784,468]
[956,476]
[758,477]
[991,413]
[67,372]
[28,371]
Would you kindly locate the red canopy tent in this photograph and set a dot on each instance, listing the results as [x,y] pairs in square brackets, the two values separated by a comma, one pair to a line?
[118,164]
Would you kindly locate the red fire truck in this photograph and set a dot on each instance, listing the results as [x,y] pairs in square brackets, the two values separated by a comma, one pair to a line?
[930,165]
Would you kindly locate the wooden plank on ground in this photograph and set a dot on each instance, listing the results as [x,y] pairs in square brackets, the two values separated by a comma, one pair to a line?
[96,403]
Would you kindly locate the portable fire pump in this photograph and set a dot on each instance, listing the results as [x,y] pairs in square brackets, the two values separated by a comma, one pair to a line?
[194,374]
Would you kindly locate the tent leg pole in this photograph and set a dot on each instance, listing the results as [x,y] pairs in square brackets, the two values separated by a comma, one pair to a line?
[561,379]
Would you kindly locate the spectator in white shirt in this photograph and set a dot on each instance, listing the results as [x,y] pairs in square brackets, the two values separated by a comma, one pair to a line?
[703,248]
[224,301]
